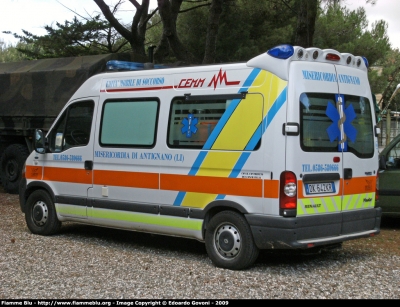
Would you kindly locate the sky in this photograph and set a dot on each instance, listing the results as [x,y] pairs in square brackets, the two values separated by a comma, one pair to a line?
[33,15]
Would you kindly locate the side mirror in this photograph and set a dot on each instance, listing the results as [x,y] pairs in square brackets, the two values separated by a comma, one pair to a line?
[382,162]
[40,142]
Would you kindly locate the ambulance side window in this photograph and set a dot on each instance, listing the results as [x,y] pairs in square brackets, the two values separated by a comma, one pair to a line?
[201,124]
[129,122]
[192,122]
[73,127]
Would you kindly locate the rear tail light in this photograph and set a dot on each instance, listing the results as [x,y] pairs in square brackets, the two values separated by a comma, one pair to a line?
[288,194]
[377,188]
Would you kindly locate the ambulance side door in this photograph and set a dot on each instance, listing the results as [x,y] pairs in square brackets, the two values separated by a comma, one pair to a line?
[68,166]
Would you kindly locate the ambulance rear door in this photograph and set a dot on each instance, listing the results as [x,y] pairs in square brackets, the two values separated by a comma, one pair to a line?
[311,154]
[332,150]
[357,141]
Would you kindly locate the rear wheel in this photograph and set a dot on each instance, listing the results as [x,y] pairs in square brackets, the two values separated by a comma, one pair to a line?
[12,162]
[229,241]
[40,214]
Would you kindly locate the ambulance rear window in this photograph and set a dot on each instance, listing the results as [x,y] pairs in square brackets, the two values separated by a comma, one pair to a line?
[321,129]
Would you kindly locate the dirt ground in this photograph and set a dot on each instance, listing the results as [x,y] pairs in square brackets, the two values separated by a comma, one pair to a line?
[387,241]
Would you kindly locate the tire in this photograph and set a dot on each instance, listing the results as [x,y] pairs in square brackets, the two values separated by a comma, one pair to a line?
[237,251]
[12,162]
[40,214]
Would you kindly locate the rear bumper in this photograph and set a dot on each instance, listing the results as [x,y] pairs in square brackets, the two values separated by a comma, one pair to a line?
[312,231]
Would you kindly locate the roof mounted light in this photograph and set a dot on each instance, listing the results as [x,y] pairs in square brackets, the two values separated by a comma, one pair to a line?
[332,57]
[282,52]
[348,61]
[300,53]
[114,65]
[365,61]
[315,55]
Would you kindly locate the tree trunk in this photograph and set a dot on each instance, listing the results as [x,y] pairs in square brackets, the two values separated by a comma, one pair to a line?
[212,31]
[306,15]
[135,37]
[169,12]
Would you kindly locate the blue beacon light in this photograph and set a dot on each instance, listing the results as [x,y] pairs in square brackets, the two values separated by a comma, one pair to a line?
[282,52]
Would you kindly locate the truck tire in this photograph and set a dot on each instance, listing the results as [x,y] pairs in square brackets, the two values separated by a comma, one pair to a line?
[229,241]
[2,148]
[12,162]
[40,214]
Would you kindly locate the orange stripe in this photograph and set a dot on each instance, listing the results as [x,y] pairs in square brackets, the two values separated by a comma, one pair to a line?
[33,172]
[199,184]
[126,179]
[67,175]
[360,185]
[212,185]
[271,188]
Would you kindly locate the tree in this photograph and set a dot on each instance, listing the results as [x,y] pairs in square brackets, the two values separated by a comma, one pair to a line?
[9,53]
[212,32]
[246,28]
[136,34]
[307,11]
[169,11]
[91,35]
[347,31]
[385,77]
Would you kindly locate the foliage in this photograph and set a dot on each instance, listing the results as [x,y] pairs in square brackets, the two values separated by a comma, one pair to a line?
[247,28]
[73,38]
[347,31]
[9,53]
[385,77]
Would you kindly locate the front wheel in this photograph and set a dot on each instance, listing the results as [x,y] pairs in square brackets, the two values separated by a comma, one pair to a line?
[229,241]
[40,214]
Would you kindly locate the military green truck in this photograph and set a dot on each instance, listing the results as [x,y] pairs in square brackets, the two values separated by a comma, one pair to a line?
[32,94]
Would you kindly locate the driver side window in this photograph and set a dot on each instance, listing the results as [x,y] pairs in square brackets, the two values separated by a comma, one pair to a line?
[73,127]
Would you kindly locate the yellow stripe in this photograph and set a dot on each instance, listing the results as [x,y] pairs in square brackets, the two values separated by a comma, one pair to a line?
[241,125]
[308,206]
[318,205]
[235,135]
[218,164]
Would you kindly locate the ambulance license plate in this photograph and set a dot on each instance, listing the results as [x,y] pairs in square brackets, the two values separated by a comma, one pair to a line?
[320,188]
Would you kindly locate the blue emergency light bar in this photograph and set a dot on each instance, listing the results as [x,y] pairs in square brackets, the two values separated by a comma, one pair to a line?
[285,51]
[114,65]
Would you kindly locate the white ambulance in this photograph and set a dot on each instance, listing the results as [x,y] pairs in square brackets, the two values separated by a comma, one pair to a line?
[280,152]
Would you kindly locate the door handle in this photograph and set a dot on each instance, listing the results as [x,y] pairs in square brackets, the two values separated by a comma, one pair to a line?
[88,165]
[348,173]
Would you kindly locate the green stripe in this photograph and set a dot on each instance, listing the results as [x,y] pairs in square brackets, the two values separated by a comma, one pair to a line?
[150,219]
[71,210]
[327,204]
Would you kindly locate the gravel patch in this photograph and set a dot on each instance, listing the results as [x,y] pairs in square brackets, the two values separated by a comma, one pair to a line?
[86,262]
